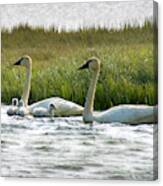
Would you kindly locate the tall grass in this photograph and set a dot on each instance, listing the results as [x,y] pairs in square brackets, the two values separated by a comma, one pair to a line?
[127,71]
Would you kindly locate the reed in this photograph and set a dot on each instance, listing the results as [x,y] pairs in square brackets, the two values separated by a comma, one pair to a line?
[127,72]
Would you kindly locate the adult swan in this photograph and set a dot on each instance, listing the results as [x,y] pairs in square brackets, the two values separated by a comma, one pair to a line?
[129,114]
[62,107]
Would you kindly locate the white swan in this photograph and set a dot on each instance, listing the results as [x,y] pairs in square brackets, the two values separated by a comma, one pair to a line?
[131,114]
[62,106]
[22,110]
[44,112]
[13,109]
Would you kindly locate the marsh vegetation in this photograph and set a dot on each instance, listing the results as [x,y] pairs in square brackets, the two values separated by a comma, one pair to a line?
[127,72]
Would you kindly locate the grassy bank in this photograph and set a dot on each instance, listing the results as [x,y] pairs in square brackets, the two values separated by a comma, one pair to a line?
[127,72]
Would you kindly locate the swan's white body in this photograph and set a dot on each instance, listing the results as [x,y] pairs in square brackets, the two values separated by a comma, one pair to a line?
[41,108]
[130,114]
[62,107]
[14,108]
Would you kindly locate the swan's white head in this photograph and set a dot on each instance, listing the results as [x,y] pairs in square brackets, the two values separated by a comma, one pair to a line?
[24,61]
[93,64]
[15,102]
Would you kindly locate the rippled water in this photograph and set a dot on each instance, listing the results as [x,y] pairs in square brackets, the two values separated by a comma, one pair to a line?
[67,148]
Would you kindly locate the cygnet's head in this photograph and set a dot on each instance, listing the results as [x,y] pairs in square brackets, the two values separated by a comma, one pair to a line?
[24,61]
[51,108]
[15,102]
[93,64]
[21,103]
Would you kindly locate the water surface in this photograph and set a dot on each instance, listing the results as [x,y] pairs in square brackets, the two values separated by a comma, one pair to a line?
[67,148]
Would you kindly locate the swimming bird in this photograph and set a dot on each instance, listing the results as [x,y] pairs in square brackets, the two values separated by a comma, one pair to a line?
[129,114]
[22,110]
[62,106]
[44,112]
[13,109]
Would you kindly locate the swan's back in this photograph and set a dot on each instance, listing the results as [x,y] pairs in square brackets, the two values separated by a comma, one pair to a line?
[62,106]
[131,114]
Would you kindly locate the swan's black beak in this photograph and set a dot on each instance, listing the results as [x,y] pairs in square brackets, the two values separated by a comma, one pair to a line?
[18,62]
[85,65]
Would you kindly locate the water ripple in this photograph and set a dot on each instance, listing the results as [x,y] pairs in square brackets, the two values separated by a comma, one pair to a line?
[67,148]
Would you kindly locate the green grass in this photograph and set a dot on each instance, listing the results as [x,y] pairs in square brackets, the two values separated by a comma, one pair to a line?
[127,71]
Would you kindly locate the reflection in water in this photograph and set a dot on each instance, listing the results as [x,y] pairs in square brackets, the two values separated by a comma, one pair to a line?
[67,148]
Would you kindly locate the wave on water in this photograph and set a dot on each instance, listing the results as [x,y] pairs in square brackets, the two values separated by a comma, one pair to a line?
[68,148]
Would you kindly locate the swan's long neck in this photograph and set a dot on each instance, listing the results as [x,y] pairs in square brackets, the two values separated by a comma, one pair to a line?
[89,104]
[27,85]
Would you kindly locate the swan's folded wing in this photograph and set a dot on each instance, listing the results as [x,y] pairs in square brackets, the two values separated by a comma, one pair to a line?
[67,108]
[131,114]
[62,106]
